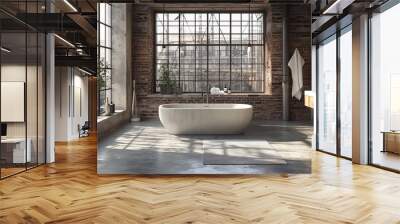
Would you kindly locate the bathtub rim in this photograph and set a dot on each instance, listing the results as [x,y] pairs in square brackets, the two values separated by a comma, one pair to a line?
[170,106]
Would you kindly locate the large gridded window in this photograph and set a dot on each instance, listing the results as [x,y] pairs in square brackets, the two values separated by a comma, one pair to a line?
[204,50]
[104,54]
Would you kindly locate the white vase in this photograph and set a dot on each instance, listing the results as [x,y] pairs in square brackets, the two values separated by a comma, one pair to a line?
[134,115]
[107,107]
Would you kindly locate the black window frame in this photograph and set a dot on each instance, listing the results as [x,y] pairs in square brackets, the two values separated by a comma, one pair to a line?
[370,157]
[106,67]
[207,46]
[333,33]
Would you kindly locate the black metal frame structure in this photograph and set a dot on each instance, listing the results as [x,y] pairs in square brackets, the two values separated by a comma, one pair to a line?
[333,31]
[210,62]
[336,31]
[30,31]
[104,28]
[382,8]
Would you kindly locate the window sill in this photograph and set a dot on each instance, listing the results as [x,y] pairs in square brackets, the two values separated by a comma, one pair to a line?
[102,118]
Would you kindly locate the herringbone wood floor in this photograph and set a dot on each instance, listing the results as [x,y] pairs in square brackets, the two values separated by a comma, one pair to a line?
[70,191]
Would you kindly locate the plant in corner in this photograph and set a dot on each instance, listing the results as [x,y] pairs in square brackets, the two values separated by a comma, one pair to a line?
[102,77]
[167,85]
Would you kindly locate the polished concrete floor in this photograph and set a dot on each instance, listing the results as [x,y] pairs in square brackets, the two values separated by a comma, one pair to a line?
[146,148]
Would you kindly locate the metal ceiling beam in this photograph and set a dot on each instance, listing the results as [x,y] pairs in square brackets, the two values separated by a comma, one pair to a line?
[337,7]
[49,22]
[200,2]
[184,1]
[81,61]
[85,25]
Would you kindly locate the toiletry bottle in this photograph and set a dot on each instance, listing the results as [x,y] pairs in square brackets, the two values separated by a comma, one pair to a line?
[229,91]
[225,90]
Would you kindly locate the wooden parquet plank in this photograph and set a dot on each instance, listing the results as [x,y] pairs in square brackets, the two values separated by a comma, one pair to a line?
[70,191]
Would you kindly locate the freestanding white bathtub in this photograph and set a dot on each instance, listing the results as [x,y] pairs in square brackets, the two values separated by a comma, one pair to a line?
[205,118]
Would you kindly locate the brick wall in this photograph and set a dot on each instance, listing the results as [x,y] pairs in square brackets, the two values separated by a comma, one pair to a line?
[267,106]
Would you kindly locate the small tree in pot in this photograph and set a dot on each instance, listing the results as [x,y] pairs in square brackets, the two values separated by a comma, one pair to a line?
[167,85]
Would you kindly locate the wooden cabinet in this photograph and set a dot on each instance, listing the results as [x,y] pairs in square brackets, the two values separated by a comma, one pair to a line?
[391,142]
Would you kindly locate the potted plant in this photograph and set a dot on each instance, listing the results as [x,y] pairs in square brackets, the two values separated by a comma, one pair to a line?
[167,85]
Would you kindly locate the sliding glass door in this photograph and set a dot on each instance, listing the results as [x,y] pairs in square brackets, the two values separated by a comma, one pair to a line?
[334,96]
[326,95]
[385,89]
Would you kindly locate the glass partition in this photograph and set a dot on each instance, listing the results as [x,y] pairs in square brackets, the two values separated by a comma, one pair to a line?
[41,98]
[385,89]
[334,96]
[31,97]
[326,60]
[345,43]
[14,145]
[22,101]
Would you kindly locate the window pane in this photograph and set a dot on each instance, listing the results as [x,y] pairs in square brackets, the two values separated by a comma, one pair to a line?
[385,87]
[108,37]
[108,14]
[346,94]
[327,96]
[102,12]
[102,34]
[108,79]
[104,46]
[202,50]
[102,80]
[108,58]
[102,57]
[102,98]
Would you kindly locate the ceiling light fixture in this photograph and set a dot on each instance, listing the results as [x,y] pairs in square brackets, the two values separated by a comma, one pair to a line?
[70,5]
[5,50]
[65,41]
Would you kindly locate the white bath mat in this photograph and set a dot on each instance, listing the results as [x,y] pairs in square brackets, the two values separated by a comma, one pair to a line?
[240,152]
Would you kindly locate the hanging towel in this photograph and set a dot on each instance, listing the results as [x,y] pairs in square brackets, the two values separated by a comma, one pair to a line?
[296,64]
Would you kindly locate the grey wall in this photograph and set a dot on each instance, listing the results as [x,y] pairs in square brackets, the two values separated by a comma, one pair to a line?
[71,102]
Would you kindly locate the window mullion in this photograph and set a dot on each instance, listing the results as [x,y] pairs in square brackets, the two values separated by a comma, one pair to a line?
[219,49]
[230,49]
[195,53]
[207,55]
[241,53]
[179,50]
[167,47]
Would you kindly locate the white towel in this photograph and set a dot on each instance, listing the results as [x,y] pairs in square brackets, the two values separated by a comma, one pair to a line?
[296,64]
